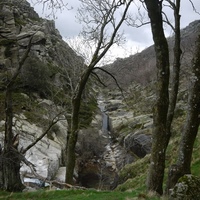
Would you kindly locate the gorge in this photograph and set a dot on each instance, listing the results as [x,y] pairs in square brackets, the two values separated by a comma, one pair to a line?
[116,128]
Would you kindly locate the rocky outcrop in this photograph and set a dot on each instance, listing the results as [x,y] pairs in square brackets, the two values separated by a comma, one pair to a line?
[139,143]
[46,155]
[49,53]
[186,188]
[133,132]
[40,77]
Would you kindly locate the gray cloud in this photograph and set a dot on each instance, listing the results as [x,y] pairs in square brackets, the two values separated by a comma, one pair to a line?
[68,26]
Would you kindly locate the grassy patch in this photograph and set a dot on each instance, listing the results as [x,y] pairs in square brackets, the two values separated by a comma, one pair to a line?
[69,195]
[78,195]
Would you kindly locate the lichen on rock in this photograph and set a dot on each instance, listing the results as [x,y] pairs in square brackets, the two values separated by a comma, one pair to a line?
[188,187]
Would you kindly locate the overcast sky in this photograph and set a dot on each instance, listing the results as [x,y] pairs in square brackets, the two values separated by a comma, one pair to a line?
[137,38]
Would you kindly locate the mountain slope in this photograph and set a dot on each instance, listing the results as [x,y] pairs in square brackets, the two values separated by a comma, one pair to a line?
[140,68]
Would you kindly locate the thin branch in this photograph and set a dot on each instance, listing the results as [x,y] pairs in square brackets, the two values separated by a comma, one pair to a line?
[21,63]
[98,78]
[96,56]
[105,71]
[52,6]
[195,10]
[167,21]
[23,151]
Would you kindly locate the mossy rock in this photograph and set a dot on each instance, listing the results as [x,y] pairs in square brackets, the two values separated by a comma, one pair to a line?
[188,187]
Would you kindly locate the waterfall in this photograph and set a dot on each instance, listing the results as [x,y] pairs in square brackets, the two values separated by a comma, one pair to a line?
[105,123]
[105,119]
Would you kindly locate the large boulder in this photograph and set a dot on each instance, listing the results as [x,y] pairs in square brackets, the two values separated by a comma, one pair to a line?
[139,143]
[188,187]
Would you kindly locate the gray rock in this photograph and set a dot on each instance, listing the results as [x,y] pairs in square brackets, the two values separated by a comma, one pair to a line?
[188,187]
[139,143]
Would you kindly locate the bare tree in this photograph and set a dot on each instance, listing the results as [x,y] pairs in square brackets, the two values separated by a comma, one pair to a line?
[101,28]
[51,6]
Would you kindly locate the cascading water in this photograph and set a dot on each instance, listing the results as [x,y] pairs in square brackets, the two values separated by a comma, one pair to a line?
[105,122]
[105,118]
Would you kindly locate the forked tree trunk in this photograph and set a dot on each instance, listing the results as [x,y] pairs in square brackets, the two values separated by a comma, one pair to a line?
[159,135]
[183,165]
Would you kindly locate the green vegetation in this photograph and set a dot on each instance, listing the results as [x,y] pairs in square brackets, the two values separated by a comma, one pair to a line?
[133,176]
[23,104]
[87,112]
[8,44]
[20,101]
[19,21]
[75,195]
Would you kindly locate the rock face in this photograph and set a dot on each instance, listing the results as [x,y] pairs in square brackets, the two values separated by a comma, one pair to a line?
[139,143]
[49,54]
[188,187]
[46,155]
[117,148]
[40,78]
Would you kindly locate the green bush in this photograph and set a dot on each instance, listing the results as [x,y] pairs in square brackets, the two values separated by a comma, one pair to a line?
[35,76]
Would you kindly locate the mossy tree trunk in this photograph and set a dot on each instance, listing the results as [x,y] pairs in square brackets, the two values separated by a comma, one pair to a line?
[159,135]
[174,80]
[183,165]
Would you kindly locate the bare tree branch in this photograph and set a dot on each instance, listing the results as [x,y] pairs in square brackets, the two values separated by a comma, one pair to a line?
[54,121]
[194,8]
[52,6]
[98,78]
[21,62]
[105,71]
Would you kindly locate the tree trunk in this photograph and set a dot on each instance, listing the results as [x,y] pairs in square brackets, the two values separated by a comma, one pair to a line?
[10,159]
[73,134]
[191,126]
[176,67]
[159,135]
[11,168]
[174,82]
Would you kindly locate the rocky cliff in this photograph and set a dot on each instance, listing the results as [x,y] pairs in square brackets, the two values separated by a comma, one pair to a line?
[40,93]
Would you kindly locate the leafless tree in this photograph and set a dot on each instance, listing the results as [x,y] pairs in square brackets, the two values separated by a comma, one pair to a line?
[101,28]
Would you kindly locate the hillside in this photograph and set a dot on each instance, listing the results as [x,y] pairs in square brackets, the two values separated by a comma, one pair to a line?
[114,142]
[140,68]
